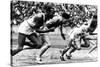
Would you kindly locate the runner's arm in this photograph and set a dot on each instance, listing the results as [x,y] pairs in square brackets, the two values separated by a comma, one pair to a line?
[61,31]
[45,31]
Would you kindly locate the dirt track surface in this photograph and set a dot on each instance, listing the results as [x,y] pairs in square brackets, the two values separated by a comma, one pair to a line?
[27,57]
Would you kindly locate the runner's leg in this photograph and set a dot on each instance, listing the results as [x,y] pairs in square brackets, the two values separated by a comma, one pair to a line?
[46,45]
[75,46]
[65,50]
[21,41]
[36,41]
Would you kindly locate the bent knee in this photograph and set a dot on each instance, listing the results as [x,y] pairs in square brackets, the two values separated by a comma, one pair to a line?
[39,43]
[19,48]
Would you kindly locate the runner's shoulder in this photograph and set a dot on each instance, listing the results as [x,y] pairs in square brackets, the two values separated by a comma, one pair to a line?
[58,17]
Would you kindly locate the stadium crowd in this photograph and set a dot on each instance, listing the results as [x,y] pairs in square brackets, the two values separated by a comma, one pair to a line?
[21,10]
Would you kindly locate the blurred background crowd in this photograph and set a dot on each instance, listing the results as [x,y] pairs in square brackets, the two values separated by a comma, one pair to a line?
[21,10]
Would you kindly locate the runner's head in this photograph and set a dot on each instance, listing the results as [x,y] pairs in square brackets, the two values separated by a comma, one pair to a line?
[66,15]
[49,11]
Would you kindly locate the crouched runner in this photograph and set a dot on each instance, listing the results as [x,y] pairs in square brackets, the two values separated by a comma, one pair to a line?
[78,33]
[29,29]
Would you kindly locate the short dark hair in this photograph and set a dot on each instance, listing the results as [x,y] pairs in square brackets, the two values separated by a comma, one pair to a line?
[47,8]
[65,15]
